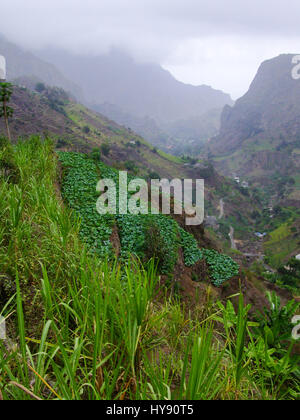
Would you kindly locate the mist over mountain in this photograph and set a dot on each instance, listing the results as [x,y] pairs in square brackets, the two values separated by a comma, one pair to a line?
[136,93]
[172,115]
[143,89]
[270,107]
[260,135]
[21,63]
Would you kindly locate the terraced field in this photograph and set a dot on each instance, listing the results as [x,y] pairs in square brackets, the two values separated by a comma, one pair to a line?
[138,233]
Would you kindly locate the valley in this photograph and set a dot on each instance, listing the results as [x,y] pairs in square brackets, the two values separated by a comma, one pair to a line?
[122,306]
[258,143]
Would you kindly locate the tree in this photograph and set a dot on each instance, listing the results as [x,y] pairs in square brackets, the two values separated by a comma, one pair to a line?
[40,87]
[6,111]
[105,148]
[86,129]
[131,166]
[95,155]
[290,273]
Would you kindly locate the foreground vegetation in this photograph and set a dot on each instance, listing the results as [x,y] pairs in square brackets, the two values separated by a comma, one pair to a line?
[81,327]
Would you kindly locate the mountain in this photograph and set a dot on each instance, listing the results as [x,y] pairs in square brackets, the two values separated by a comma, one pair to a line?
[130,306]
[192,133]
[144,126]
[141,91]
[53,112]
[21,63]
[76,128]
[260,135]
[186,136]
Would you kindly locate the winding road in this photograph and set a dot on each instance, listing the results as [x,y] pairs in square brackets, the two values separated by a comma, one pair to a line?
[231,233]
[259,256]
[231,236]
[221,215]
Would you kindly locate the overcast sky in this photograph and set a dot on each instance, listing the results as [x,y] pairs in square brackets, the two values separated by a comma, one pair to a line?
[216,42]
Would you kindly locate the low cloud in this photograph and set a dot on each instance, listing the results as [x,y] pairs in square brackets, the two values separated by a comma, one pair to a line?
[218,43]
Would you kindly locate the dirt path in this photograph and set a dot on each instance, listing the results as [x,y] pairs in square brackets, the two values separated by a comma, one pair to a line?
[259,255]
[231,233]
[231,236]
[221,215]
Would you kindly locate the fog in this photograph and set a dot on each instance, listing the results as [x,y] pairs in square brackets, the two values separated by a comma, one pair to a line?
[219,43]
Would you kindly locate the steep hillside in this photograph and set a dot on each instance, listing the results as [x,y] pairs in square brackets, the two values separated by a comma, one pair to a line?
[22,63]
[144,126]
[76,128]
[194,132]
[260,136]
[136,92]
[283,243]
[180,137]
[79,327]
[171,115]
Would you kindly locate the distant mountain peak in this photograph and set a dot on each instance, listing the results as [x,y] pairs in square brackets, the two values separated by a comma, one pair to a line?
[21,63]
[260,134]
[141,91]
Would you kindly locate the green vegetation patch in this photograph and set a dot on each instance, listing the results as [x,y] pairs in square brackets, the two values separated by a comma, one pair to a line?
[79,190]
[139,233]
[145,236]
[281,244]
[82,329]
[222,267]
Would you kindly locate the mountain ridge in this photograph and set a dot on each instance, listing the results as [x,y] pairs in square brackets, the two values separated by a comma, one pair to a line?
[21,62]
[76,128]
[142,92]
[115,76]
[260,135]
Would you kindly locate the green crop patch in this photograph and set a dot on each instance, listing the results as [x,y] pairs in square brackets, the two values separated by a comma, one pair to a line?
[79,190]
[145,236]
[222,267]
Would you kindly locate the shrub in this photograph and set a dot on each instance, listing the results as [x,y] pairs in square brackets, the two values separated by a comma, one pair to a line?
[222,267]
[191,251]
[62,142]
[162,241]
[131,166]
[8,168]
[79,190]
[105,149]
[275,322]
[86,129]
[154,246]
[95,155]
[40,87]
[290,273]
[154,175]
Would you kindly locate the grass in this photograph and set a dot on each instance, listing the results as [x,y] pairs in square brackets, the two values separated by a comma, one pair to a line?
[279,234]
[281,244]
[107,131]
[171,158]
[83,328]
